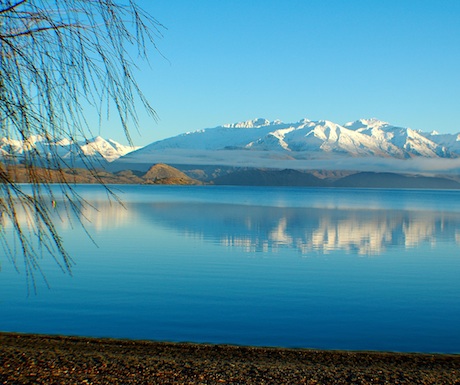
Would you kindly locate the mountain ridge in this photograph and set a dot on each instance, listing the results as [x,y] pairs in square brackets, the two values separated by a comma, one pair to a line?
[165,174]
[96,148]
[364,137]
[370,145]
[157,174]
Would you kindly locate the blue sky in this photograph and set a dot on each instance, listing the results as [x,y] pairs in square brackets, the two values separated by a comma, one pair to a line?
[235,60]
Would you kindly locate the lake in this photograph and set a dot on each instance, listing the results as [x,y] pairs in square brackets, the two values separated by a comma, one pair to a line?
[351,269]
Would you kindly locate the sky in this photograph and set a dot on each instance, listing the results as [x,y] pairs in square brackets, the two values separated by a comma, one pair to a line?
[228,61]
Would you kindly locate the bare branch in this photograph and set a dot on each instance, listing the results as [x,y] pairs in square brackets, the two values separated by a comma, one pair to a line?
[33,31]
[12,7]
[57,59]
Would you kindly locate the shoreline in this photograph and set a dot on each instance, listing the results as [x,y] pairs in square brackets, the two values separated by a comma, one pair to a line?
[48,359]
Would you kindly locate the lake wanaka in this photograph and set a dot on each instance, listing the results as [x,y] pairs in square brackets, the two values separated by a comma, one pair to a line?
[350,269]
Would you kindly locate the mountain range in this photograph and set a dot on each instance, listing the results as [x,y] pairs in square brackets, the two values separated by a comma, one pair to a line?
[304,139]
[364,137]
[260,151]
[365,145]
[96,148]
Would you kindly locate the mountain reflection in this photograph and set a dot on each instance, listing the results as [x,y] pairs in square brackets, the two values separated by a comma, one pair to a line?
[309,230]
[260,228]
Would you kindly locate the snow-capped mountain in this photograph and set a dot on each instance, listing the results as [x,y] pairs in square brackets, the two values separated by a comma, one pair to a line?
[365,145]
[362,138]
[95,148]
[108,149]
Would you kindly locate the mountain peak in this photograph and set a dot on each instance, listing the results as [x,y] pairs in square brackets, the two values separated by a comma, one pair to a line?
[366,124]
[255,123]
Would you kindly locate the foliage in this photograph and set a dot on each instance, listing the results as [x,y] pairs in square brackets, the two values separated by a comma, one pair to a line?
[57,60]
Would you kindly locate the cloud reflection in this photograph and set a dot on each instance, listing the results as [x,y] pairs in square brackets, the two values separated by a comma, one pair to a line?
[253,229]
[309,230]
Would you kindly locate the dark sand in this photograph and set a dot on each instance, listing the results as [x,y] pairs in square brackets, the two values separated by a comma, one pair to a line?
[32,359]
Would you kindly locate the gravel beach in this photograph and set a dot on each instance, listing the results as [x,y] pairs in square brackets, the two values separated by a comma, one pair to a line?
[35,359]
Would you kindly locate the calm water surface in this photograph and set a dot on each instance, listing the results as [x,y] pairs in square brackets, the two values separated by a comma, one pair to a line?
[294,267]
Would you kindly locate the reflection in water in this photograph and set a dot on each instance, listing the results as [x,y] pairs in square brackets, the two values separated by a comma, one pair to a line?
[150,279]
[101,215]
[105,214]
[372,232]
[264,228]
[258,229]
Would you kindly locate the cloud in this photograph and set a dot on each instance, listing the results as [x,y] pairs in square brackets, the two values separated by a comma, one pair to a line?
[281,160]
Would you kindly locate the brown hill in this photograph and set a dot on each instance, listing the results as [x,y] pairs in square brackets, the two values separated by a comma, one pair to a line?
[163,174]
[157,174]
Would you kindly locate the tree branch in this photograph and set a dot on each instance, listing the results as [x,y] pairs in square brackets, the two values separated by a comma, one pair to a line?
[36,30]
[10,8]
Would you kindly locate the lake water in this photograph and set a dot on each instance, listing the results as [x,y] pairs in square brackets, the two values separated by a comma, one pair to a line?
[350,269]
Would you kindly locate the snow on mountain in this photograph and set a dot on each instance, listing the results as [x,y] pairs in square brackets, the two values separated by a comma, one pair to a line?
[362,138]
[255,123]
[95,148]
[365,144]
[10,146]
[449,141]
[273,140]
[366,124]
[108,149]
